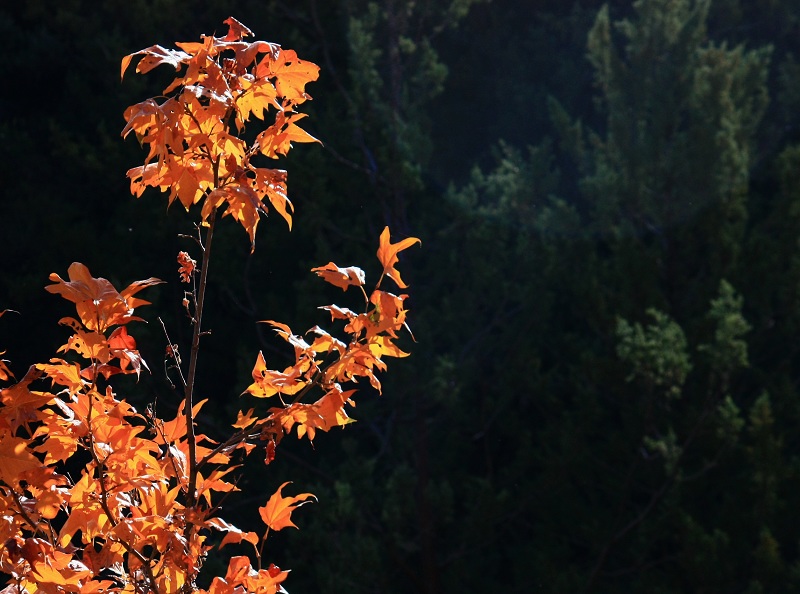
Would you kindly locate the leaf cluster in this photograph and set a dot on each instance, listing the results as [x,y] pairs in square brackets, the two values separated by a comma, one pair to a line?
[96,496]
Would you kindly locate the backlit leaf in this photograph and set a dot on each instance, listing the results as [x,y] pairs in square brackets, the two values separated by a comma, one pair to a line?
[14,458]
[340,277]
[387,254]
[278,511]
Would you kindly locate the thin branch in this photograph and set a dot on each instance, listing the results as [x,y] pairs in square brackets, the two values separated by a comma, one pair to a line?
[173,346]
[25,515]
[192,373]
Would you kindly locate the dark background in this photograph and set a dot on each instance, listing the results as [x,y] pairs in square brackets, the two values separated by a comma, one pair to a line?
[603,393]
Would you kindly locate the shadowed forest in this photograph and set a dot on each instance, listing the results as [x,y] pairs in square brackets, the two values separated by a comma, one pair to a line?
[603,392]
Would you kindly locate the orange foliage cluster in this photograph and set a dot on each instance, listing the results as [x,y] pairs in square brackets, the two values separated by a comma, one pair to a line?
[123,524]
[137,509]
[193,152]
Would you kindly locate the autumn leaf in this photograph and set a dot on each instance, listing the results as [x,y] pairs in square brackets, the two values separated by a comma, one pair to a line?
[236,30]
[14,458]
[46,575]
[234,535]
[268,382]
[82,286]
[5,372]
[387,254]
[244,420]
[291,72]
[186,267]
[243,204]
[128,292]
[241,577]
[98,303]
[89,345]
[174,430]
[63,433]
[388,315]
[340,277]
[277,512]
[277,139]
[331,407]
[271,184]
[214,482]
[154,56]
[325,413]
[325,342]
[22,406]
[64,374]
[358,361]
[339,313]
[49,503]
[256,98]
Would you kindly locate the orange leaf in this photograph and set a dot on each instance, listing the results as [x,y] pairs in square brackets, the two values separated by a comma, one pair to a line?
[64,374]
[21,406]
[268,382]
[277,512]
[172,431]
[5,372]
[291,72]
[383,345]
[82,286]
[123,346]
[187,267]
[256,97]
[340,277]
[14,458]
[234,535]
[243,204]
[236,30]
[155,55]
[340,313]
[325,413]
[243,421]
[387,254]
[128,292]
[46,575]
[49,502]
[238,568]
[271,183]
[214,482]
[325,343]
[98,303]
[331,408]
[277,139]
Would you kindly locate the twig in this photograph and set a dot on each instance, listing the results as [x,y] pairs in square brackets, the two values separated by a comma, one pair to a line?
[192,373]
[173,346]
